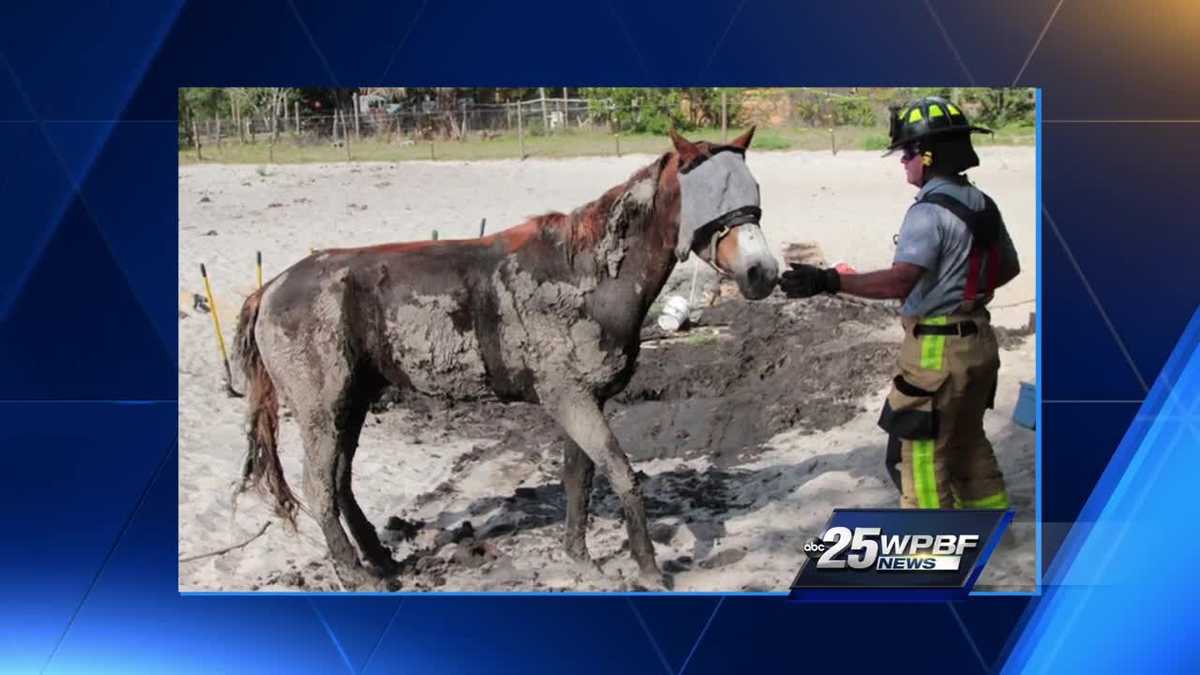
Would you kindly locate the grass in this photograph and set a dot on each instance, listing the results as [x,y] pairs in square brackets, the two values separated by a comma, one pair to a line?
[571,143]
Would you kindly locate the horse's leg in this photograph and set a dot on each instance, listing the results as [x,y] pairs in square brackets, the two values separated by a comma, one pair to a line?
[577,474]
[361,529]
[321,454]
[580,416]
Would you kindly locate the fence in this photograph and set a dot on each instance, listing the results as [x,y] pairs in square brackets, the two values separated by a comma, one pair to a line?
[387,124]
[384,131]
[390,124]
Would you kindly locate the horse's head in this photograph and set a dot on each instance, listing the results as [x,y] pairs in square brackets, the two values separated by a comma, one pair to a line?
[719,213]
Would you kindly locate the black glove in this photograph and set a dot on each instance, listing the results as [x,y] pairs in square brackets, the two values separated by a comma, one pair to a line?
[805,281]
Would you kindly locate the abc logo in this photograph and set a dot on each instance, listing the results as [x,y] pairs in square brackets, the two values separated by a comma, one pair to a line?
[814,547]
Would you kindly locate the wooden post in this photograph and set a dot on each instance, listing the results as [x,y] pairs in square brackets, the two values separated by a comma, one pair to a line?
[345,133]
[545,115]
[275,115]
[462,136]
[218,133]
[196,140]
[274,131]
[296,117]
[521,129]
[432,153]
[564,116]
[832,140]
[237,119]
[357,133]
[250,129]
[724,117]
[335,120]
[482,227]
[435,235]
[616,131]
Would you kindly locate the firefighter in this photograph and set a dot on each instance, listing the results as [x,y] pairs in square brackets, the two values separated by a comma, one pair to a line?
[952,253]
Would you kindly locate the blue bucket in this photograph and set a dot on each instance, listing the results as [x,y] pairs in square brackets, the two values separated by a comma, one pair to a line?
[1025,414]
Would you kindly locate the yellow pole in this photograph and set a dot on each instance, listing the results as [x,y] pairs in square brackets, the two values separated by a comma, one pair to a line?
[217,325]
[258,268]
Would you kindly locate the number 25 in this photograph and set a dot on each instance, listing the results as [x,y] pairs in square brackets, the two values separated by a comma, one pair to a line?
[863,551]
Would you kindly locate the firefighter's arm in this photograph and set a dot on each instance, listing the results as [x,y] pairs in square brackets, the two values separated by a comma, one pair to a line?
[1010,264]
[894,283]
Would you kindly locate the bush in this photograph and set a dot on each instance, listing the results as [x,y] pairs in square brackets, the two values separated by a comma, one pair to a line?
[854,111]
[654,111]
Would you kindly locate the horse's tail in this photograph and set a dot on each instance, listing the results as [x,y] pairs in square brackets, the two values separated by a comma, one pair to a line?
[262,469]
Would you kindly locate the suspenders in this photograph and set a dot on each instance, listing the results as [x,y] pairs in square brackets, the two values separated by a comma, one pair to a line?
[985,239]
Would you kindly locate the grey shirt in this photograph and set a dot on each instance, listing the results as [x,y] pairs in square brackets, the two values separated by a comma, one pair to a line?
[938,241]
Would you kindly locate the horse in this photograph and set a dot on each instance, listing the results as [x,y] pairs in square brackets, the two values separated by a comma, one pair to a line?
[547,312]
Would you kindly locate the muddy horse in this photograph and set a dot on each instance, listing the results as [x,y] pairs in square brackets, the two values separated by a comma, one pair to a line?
[549,312]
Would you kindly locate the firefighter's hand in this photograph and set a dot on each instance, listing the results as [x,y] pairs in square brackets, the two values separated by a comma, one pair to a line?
[805,281]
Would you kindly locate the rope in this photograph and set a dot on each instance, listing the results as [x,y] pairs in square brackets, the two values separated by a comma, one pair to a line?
[227,549]
[1013,304]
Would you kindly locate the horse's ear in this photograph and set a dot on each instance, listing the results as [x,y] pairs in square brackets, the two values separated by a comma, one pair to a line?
[687,150]
[743,141]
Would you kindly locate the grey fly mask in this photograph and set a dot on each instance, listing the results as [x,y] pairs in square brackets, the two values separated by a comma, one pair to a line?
[719,193]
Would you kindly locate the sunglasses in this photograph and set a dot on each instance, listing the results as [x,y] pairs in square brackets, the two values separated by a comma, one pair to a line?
[910,151]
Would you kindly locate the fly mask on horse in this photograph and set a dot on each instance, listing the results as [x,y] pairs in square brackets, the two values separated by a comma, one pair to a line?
[719,197]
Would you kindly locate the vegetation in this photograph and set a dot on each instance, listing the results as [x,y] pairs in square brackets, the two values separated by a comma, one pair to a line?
[655,111]
[613,120]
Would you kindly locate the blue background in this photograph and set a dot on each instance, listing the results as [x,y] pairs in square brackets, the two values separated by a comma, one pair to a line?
[89,345]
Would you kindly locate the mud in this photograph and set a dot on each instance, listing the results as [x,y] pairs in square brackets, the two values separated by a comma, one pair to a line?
[776,366]
[783,365]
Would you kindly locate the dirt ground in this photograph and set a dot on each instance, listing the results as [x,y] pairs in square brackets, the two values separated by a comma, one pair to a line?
[748,429]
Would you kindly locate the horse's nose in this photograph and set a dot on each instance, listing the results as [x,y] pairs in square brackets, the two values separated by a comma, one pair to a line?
[760,281]
[756,275]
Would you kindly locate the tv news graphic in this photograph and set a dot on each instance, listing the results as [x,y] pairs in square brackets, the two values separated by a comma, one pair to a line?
[874,555]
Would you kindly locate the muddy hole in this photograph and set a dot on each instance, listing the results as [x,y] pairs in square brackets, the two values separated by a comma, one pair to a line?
[746,372]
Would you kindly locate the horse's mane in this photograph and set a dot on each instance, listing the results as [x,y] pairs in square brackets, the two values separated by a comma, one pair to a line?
[584,227]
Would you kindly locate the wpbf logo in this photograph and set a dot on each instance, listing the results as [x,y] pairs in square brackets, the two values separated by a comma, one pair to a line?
[868,548]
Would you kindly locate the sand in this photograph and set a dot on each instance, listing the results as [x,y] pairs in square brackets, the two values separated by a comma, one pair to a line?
[727,514]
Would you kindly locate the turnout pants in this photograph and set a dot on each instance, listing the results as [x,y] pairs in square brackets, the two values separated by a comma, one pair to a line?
[934,413]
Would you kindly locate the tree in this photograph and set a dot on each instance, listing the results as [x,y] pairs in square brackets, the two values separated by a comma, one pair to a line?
[636,110]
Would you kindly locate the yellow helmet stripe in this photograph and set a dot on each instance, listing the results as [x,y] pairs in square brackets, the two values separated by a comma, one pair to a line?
[935,111]
[914,115]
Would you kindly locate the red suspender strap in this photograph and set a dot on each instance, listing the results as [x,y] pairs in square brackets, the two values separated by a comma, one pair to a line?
[973,274]
[993,267]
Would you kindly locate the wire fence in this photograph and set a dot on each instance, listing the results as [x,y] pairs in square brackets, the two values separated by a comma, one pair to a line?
[521,123]
[392,125]
[374,129]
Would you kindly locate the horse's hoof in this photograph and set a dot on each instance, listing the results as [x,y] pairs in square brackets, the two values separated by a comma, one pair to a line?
[579,554]
[653,582]
[383,568]
[587,567]
[355,577]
